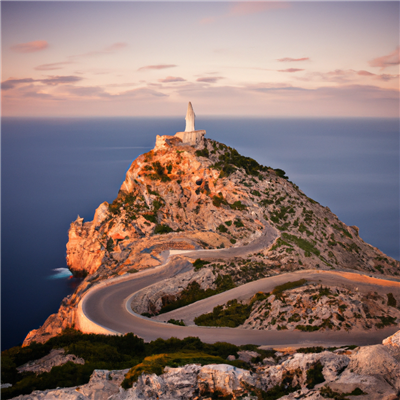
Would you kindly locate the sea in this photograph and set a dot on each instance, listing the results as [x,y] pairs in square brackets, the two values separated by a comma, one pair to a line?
[54,169]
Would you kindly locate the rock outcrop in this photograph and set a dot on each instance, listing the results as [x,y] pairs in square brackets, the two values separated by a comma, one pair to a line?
[55,358]
[371,372]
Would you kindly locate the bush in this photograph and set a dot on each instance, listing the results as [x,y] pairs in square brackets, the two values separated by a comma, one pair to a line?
[233,315]
[161,229]
[222,228]
[391,300]
[237,205]
[302,243]
[199,263]
[238,223]
[314,375]
[176,322]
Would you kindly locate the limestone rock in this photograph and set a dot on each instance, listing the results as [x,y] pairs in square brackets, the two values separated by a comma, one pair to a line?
[55,358]
[101,386]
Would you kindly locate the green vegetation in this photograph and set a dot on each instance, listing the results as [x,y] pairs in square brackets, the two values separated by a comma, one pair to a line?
[194,293]
[281,173]
[391,302]
[238,223]
[237,205]
[202,153]
[287,286]
[314,375]
[218,200]
[230,160]
[199,263]
[302,243]
[176,322]
[233,315]
[385,321]
[228,223]
[106,352]
[307,328]
[150,217]
[110,245]
[222,228]
[161,229]
[341,229]
[159,172]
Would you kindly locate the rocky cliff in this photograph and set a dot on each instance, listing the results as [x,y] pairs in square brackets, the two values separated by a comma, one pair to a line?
[181,196]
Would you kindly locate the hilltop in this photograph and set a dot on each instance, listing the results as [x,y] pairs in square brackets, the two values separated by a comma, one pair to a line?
[202,194]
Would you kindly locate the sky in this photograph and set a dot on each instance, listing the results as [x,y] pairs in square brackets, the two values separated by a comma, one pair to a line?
[267,59]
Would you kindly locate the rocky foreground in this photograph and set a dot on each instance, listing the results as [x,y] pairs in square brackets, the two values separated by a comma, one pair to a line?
[370,372]
[207,196]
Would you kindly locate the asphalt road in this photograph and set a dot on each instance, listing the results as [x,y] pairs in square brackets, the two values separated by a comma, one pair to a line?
[107,307]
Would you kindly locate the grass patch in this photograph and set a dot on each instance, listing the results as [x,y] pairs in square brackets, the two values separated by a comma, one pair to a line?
[302,243]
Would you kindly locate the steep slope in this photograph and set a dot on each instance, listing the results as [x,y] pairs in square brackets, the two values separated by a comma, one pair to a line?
[207,196]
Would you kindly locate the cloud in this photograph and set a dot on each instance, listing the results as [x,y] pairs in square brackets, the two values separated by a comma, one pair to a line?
[386,61]
[115,47]
[246,8]
[52,66]
[52,81]
[170,79]
[87,91]
[365,73]
[290,70]
[210,79]
[107,50]
[289,59]
[158,66]
[30,47]
[142,92]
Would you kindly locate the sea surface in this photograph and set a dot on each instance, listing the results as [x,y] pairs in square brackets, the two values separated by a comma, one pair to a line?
[54,169]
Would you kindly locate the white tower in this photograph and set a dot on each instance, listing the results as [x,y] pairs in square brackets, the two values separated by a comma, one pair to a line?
[190,116]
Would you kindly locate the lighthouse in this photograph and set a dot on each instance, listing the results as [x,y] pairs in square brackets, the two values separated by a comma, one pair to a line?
[190,116]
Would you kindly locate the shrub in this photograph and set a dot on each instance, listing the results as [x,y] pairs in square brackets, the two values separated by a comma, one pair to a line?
[222,228]
[161,229]
[391,300]
[199,263]
[237,205]
[110,245]
[281,173]
[314,375]
[176,322]
[202,153]
[233,315]
[238,223]
[150,217]
[302,243]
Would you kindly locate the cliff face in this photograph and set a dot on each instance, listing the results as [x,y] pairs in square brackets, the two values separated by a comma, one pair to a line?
[179,196]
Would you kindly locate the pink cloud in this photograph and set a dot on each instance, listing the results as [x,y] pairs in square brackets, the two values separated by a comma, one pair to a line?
[107,50]
[365,73]
[52,66]
[30,47]
[290,70]
[159,66]
[246,8]
[211,79]
[392,58]
[115,47]
[290,59]
[52,81]
[170,79]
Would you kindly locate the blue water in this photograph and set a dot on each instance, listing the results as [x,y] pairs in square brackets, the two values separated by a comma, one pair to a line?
[55,169]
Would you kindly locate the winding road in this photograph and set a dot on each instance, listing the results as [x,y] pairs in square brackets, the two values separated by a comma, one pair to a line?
[108,306]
